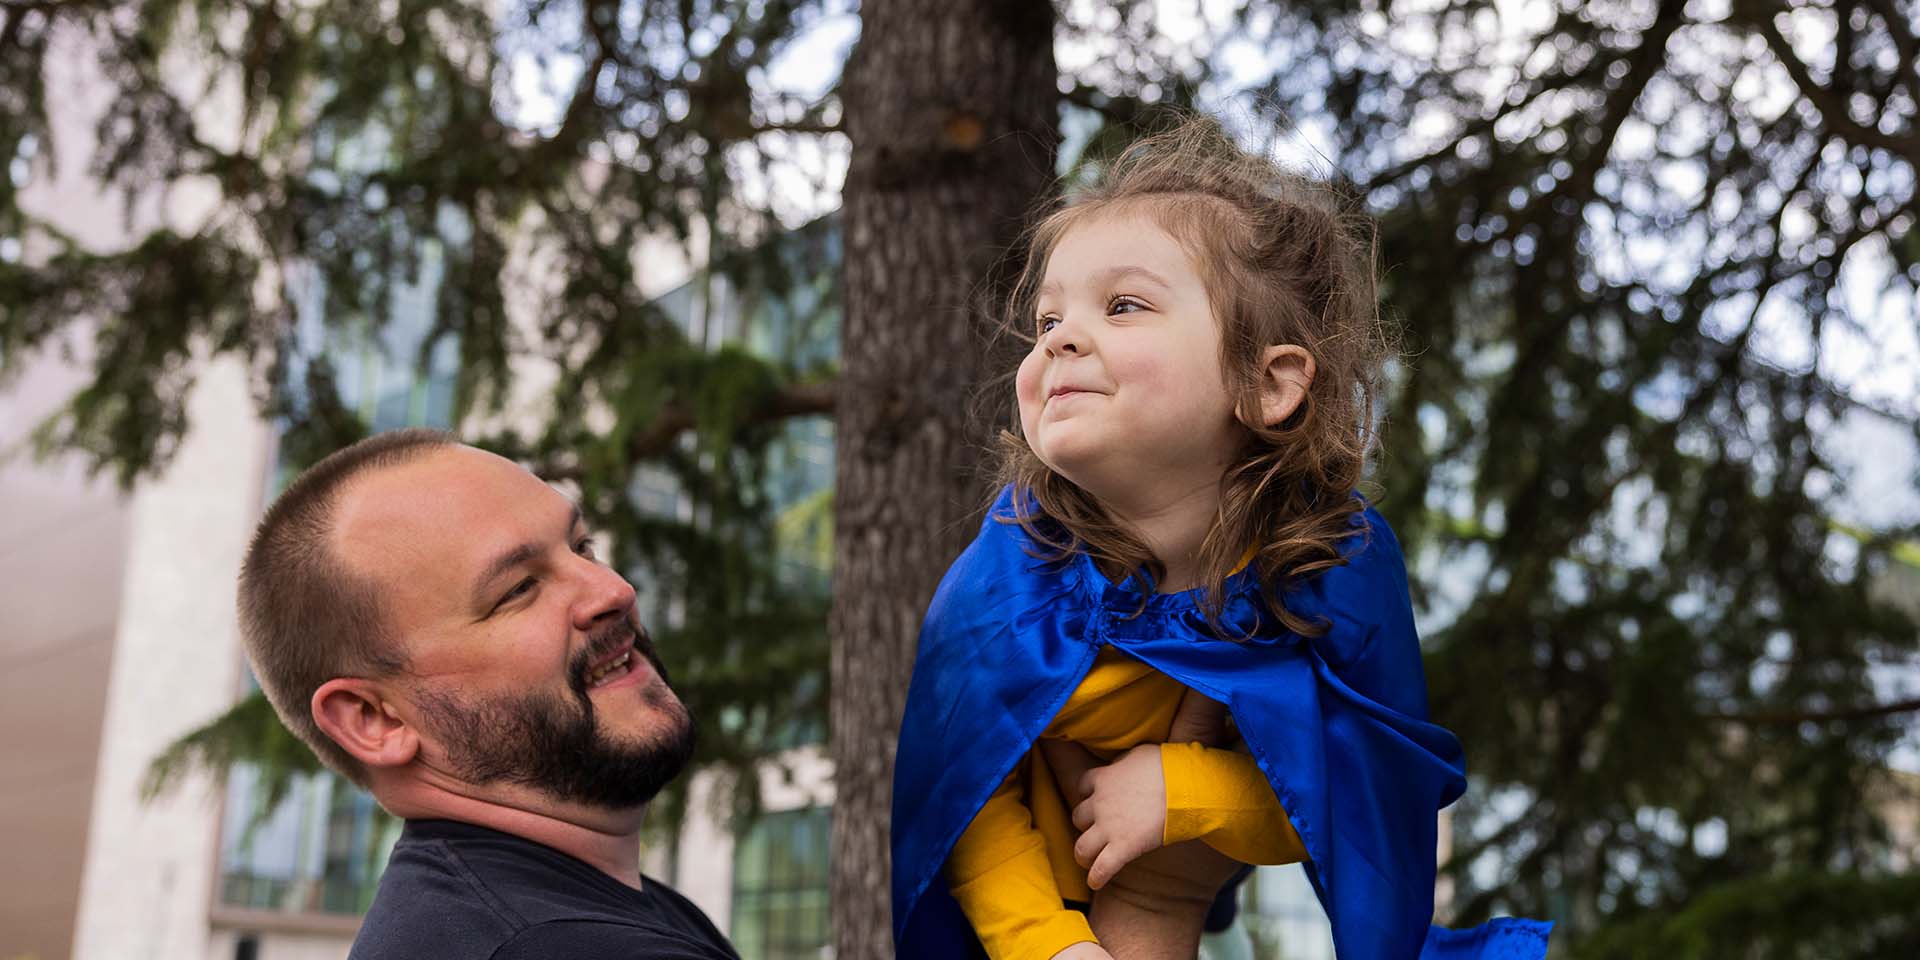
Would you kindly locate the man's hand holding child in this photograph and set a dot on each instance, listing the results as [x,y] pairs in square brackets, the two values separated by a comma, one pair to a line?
[1084,950]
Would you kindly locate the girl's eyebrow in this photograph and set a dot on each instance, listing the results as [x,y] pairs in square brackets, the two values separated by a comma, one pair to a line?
[1111,276]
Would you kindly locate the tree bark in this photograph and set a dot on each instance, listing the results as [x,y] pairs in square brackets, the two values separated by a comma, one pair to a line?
[950,106]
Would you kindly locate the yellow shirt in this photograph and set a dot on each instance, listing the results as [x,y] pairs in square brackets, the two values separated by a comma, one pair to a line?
[1014,863]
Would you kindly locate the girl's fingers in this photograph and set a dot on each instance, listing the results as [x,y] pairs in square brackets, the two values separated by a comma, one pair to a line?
[1069,762]
[1088,847]
[1083,815]
[1111,859]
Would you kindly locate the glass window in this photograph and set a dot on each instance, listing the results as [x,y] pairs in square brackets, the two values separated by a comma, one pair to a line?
[1280,919]
[780,887]
[321,848]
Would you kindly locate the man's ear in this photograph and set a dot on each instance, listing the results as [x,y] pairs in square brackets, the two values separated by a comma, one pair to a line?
[355,713]
[1286,371]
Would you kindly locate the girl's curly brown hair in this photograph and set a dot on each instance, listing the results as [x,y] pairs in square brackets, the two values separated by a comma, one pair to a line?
[1286,259]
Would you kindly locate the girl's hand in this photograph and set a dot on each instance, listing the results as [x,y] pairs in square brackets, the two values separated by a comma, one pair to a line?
[1124,814]
[1069,763]
[1084,951]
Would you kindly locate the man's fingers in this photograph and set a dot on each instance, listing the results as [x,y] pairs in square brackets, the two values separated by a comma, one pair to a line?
[1088,847]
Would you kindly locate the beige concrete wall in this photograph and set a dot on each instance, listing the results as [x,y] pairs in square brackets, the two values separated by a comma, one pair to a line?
[280,945]
[150,868]
[62,540]
[802,778]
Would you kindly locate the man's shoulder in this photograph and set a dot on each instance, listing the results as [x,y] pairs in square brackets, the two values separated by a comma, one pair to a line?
[602,938]
[458,891]
[430,900]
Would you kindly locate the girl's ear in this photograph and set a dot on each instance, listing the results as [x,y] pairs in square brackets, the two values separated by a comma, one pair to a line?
[1286,371]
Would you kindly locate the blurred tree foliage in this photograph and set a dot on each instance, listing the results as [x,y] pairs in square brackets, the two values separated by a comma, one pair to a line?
[1631,245]
[1632,267]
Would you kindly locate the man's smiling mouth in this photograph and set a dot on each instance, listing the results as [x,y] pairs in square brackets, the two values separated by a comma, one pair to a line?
[613,669]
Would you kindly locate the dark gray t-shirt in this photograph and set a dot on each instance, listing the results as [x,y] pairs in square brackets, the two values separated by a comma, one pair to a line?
[455,891]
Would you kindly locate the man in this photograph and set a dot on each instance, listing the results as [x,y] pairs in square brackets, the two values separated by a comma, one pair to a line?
[434,622]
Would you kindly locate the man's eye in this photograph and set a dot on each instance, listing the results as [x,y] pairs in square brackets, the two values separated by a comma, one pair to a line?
[584,547]
[519,589]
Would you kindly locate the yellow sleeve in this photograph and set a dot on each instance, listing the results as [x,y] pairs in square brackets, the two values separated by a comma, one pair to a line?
[1221,797]
[999,873]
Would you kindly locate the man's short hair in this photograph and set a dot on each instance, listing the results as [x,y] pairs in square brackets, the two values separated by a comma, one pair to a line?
[304,617]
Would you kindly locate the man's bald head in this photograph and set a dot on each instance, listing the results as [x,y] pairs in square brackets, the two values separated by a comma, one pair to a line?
[305,616]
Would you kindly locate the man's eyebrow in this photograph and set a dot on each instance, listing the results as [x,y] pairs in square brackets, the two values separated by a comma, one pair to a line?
[514,557]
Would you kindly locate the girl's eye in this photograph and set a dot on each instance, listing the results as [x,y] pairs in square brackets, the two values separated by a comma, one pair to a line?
[1048,323]
[1116,303]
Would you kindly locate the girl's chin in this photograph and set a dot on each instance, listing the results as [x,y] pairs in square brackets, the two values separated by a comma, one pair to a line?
[1083,471]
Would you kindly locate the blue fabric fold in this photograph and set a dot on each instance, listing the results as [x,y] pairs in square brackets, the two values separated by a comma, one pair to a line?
[1338,723]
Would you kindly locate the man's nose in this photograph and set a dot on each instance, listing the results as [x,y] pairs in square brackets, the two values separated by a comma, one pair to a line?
[605,593]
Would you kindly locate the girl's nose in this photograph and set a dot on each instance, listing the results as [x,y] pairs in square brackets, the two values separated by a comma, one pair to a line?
[1065,338]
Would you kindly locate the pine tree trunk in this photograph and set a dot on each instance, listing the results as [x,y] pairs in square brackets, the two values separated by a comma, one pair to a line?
[951,110]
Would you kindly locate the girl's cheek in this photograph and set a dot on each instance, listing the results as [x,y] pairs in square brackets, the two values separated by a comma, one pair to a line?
[1026,381]
[1028,389]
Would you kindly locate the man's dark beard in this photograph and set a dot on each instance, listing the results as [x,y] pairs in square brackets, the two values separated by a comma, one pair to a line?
[544,741]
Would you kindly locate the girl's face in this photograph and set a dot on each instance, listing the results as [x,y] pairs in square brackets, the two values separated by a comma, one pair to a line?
[1122,393]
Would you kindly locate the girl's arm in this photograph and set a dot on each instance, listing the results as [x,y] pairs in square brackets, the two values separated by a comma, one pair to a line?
[999,874]
[1185,789]
[1220,797]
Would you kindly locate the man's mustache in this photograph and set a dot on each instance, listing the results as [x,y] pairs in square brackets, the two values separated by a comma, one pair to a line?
[610,638]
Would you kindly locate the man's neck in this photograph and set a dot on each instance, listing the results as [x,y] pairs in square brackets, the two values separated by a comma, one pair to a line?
[609,841]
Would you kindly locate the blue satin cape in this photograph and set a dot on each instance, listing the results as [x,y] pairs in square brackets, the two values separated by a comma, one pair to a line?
[1337,723]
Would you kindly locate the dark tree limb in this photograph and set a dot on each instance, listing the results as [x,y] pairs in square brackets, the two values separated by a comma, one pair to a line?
[1858,712]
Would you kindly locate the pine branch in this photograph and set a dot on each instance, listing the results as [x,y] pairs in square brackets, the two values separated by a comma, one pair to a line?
[596,19]
[1117,109]
[798,400]
[46,6]
[1484,125]
[799,126]
[1646,61]
[1903,37]
[1832,105]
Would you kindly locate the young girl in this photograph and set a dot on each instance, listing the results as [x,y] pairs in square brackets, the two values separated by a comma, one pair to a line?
[1180,522]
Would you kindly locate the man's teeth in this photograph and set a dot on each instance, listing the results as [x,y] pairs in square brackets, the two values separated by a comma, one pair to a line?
[611,670]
